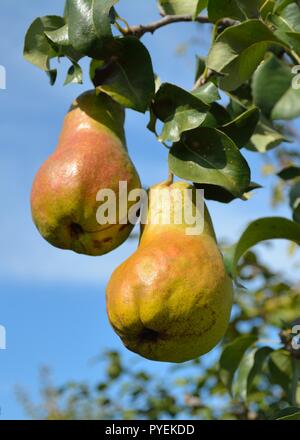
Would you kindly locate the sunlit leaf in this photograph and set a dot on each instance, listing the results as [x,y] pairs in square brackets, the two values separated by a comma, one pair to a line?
[277,98]
[208,93]
[179,110]
[37,48]
[238,50]
[89,26]
[231,357]
[206,155]
[286,18]
[268,228]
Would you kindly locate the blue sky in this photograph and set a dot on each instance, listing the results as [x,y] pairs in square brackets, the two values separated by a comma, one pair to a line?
[52,302]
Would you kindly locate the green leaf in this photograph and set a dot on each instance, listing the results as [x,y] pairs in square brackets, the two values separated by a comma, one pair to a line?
[238,50]
[290,413]
[277,99]
[242,127]
[286,18]
[90,26]
[96,65]
[231,358]
[295,201]
[202,4]
[289,173]
[60,38]
[268,228]
[265,138]
[250,367]
[208,93]
[281,4]
[152,122]
[47,38]
[52,75]
[179,110]
[217,116]
[218,9]
[206,155]
[261,356]
[74,75]
[267,8]
[280,368]
[250,8]
[235,9]
[128,78]
[240,385]
[182,7]
[295,416]
[214,192]
[37,48]
[240,100]
[293,39]
[200,67]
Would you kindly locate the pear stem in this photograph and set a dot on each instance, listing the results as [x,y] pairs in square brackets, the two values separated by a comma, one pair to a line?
[120,29]
[170,179]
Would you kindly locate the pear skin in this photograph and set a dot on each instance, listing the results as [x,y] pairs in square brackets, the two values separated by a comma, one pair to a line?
[91,155]
[171,300]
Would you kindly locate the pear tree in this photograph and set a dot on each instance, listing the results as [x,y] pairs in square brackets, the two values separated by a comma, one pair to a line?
[245,97]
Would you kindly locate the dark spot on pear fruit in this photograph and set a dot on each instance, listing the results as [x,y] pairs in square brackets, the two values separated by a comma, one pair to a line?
[107,240]
[122,227]
[99,243]
[76,230]
[148,335]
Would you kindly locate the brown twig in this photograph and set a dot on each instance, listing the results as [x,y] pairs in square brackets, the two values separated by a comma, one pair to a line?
[139,30]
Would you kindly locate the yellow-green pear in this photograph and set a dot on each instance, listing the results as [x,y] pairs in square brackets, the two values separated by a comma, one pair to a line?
[91,155]
[171,300]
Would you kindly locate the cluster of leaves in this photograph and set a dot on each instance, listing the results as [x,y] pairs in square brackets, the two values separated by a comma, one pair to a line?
[121,65]
[255,46]
[254,379]
[251,62]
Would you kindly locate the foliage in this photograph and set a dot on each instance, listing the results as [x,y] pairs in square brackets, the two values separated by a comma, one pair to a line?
[252,42]
[245,97]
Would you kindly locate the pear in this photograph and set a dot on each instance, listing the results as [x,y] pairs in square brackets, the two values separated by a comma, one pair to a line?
[91,155]
[171,300]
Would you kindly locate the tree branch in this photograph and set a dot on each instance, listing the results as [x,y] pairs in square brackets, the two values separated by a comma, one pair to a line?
[139,30]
